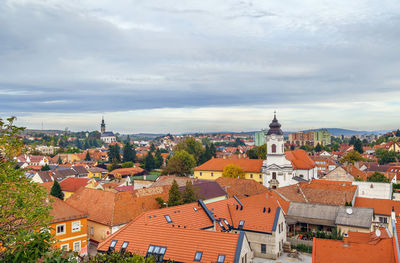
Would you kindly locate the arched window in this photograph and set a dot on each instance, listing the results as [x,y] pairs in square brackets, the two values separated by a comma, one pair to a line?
[273,148]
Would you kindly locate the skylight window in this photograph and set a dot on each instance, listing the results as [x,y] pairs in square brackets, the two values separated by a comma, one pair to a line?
[156,252]
[124,246]
[195,209]
[112,246]
[168,218]
[241,223]
[221,259]
[198,256]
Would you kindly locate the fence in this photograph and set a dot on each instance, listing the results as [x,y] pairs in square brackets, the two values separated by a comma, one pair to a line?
[296,242]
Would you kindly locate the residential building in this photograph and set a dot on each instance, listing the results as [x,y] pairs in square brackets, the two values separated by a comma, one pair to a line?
[207,190]
[126,172]
[68,225]
[259,138]
[97,172]
[374,190]
[72,184]
[213,168]
[321,137]
[241,187]
[302,138]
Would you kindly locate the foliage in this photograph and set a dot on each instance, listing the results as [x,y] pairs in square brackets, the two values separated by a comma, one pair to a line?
[352,157]
[378,177]
[335,147]
[180,164]
[258,152]
[114,165]
[348,204]
[209,152]
[233,171]
[129,154]
[56,190]
[158,160]
[189,195]
[358,146]
[386,156]
[87,157]
[191,146]
[114,153]
[23,204]
[302,248]
[175,196]
[318,148]
[126,257]
[127,164]
[149,162]
[161,202]
[45,167]
[59,161]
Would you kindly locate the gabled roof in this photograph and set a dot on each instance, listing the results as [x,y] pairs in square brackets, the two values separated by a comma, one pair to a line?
[241,187]
[111,208]
[206,189]
[72,184]
[300,160]
[380,206]
[218,164]
[181,244]
[358,217]
[127,171]
[80,169]
[61,211]
[45,176]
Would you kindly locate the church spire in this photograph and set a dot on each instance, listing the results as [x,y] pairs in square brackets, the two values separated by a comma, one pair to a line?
[102,126]
[275,126]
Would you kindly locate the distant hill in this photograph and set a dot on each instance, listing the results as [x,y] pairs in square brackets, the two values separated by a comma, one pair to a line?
[346,132]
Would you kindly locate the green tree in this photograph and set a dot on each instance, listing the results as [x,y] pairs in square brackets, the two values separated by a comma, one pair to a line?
[87,158]
[127,164]
[56,190]
[385,156]
[233,171]
[175,196]
[114,153]
[149,162]
[161,202]
[23,205]
[358,146]
[378,177]
[129,154]
[189,195]
[59,161]
[191,146]
[352,157]
[353,140]
[335,147]
[45,167]
[181,164]
[158,160]
[318,148]
[126,257]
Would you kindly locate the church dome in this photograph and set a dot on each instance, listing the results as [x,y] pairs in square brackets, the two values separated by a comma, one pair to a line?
[275,127]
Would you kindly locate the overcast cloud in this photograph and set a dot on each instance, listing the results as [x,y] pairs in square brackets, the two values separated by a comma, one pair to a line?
[179,66]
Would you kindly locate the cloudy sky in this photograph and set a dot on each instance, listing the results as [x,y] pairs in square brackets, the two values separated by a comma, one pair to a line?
[209,65]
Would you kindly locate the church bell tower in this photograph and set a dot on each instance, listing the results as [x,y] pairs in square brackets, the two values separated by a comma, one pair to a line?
[102,126]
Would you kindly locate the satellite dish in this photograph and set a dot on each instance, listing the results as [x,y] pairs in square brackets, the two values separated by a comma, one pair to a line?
[378,233]
[349,210]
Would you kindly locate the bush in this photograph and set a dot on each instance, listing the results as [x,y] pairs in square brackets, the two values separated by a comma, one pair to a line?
[302,248]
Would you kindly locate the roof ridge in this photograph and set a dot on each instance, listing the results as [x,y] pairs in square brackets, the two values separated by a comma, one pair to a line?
[301,191]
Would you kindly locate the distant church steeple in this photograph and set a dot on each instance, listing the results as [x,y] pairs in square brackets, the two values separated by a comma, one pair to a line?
[102,126]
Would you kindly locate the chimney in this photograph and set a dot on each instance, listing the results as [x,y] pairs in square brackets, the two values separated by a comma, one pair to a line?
[393,214]
[346,241]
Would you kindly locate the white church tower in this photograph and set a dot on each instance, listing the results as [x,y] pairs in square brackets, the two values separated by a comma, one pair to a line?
[277,170]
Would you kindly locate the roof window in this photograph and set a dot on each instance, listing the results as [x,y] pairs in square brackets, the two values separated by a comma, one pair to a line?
[168,218]
[197,256]
[157,252]
[112,246]
[221,259]
[124,246]
[241,223]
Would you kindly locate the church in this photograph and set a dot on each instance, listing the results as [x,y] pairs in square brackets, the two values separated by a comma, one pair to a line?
[285,168]
[107,137]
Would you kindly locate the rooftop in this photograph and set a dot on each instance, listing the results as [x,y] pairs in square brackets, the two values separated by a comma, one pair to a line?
[218,164]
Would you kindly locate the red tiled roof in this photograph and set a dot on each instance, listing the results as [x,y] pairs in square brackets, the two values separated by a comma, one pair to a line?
[182,244]
[300,160]
[61,211]
[72,184]
[127,171]
[241,187]
[217,164]
[380,206]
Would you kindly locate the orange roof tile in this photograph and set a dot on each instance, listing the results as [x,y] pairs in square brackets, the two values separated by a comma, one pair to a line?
[217,164]
[61,211]
[72,184]
[380,206]
[300,159]
[241,187]
[182,244]
[127,171]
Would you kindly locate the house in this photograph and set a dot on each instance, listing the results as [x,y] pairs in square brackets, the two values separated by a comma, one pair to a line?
[384,210]
[42,177]
[374,189]
[355,219]
[126,172]
[108,211]
[213,168]
[241,187]
[285,168]
[319,192]
[208,191]
[179,244]
[324,164]
[260,217]
[97,172]
[68,225]
[71,184]
[345,173]
[357,247]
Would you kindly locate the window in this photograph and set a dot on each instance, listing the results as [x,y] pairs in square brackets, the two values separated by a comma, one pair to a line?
[260,176]
[124,246]
[251,175]
[263,248]
[221,259]
[76,226]
[91,231]
[201,173]
[212,174]
[60,229]
[274,175]
[65,247]
[198,256]
[168,218]
[383,219]
[241,223]
[77,246]
[112,246]
[157,252]
[274,148]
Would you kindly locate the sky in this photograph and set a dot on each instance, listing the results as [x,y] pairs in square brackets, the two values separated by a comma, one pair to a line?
[199,66]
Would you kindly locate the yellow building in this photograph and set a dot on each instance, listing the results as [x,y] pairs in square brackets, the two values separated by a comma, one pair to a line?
[69,226]
[97,172]
[213,169]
